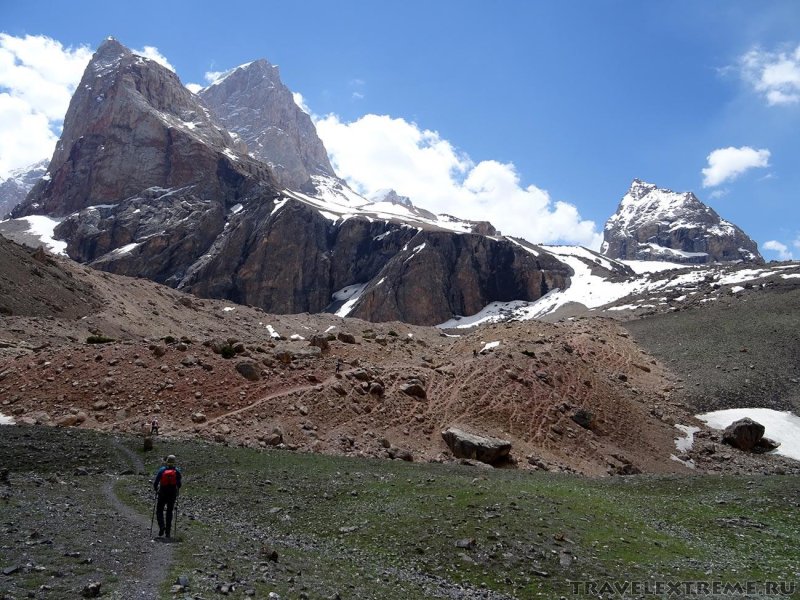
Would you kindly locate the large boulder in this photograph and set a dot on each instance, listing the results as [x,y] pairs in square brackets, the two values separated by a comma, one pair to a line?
[483,448]
[249,369]
[744,434]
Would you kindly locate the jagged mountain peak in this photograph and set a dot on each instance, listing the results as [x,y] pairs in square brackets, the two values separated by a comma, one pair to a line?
[18,183]
[390,196]
[653,223]
[131,125]
[252,102]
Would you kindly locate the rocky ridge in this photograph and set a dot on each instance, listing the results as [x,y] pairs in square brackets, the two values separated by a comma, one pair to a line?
[19,182]
[252,102]
[146,183]
[658,224]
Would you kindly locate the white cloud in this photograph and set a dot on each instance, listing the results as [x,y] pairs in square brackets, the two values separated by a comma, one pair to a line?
[194,87]
[717,194]
[37,78]
[213,76]
[726,164]
[377,152]
[775,75]
[152,53]
[781,249]
[301,102]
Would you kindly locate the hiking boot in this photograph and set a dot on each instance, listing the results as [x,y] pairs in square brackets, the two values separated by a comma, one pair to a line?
[161,532]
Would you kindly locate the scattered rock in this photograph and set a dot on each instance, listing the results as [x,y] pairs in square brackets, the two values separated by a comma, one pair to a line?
[92,590]
[401,454]
[347,338]
[415,389]
[584,418]
[249,369]
[269,553]
[198,417]
[482,448]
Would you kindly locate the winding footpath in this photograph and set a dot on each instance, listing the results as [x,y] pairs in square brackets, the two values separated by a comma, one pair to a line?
[150,560]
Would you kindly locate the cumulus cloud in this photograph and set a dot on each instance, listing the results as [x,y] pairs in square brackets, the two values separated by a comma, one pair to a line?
[152,53]
[774,75]
[726,164]
[194,87]
[213,76]
[301,102]
[378,151]
[37,78]
[782,250]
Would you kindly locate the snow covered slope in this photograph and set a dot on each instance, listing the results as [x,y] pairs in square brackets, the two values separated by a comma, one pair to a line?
[650,286]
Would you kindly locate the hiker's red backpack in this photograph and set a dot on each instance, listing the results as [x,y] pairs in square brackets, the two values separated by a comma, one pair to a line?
[169,477]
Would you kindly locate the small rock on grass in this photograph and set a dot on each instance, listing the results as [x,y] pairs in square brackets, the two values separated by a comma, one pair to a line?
[92,590]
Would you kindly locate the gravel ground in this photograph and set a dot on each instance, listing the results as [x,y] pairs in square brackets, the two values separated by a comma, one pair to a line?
[251,523]
[741,351]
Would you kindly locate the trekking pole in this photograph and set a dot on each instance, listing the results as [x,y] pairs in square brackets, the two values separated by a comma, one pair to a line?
[153,518]
[175,515]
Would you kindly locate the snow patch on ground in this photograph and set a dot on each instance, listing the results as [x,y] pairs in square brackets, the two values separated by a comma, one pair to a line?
[651,266]
[228,308]
[4,420]
[296,337]
[783,427]
[126,249]
[685,443]
[278,206]
[43,227]
[350,295]
[272,333]
[489,313]
[488,346]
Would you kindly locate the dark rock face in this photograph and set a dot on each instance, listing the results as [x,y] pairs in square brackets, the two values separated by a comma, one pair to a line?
[294,259]
[252,102]
[657,224]
[440,275]
[19,182]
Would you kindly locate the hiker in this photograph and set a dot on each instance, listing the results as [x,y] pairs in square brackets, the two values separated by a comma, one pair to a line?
[154,426]
[338,364]
[166,483]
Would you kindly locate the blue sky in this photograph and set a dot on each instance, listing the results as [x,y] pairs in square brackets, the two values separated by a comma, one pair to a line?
[558,103]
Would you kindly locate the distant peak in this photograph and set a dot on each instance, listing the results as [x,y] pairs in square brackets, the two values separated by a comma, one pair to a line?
[260,66]
[111,46]
[391,196]
[639,189]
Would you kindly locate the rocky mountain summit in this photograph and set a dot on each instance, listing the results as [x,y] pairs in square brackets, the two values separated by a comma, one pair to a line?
[132,126]
[146,183]
[658,224]
[252,102]
[17,185]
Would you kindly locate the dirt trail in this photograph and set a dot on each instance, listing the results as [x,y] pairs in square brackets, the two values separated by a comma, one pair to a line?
[151,559]
[279,394]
